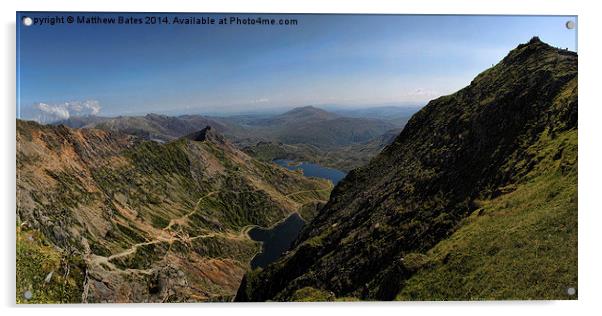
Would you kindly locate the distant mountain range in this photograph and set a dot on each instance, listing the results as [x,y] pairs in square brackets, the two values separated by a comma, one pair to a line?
[397,115]
[303,125]
[304,133]
[476,199]
[151,126]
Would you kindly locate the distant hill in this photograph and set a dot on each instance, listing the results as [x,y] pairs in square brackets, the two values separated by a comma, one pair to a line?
[398,115]
[316,127]
[476,199]
[110,217]
[300,115]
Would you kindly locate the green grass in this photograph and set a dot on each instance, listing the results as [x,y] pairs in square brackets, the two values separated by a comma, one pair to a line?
[309,210]
[36,259]
[310,294]
[520,245]
[224,248]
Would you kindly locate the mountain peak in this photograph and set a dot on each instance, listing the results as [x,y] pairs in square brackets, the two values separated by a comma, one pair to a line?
[308,112]
[206,134]
[307,108]
[523,60]
[155,115]
[534,40]
[536,46]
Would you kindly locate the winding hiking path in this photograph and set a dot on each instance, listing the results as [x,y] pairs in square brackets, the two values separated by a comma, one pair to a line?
[243,234]
[185,217]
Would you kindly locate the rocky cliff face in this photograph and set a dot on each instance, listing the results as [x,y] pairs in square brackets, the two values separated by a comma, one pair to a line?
[107,217]
[397,222]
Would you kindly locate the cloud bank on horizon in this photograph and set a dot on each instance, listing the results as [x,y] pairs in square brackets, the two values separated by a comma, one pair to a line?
[48,113]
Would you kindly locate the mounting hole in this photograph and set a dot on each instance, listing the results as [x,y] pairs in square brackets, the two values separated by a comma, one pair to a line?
[570,24]
[571,291]
[27,21]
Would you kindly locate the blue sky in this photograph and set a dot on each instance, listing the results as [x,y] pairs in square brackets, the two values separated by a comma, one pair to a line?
[350,60]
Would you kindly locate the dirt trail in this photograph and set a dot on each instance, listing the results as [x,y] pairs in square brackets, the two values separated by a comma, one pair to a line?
[96,259]
[180,220]
[106,260]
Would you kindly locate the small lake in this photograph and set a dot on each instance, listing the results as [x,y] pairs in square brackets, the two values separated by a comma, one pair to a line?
[278,239]
[275,241]
[313,170]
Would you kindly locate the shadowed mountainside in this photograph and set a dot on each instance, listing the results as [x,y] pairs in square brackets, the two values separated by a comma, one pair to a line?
[475,199]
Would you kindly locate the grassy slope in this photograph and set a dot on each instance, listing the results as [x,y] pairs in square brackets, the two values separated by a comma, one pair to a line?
[521,245]
[76,185]
[37,259]
[495,144]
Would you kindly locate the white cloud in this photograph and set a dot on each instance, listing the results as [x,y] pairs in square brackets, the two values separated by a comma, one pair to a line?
[48,113]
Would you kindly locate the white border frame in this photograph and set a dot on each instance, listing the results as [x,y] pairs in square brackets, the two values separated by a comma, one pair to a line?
[589,152]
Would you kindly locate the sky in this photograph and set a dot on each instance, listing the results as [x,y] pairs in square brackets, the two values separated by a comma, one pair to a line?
[346,60]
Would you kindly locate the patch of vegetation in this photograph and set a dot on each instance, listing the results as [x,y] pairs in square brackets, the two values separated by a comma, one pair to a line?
[151,157]
[310,294]
[98,249]
[46,274]
[124,236]
[220,247]
[70,192]
[309,210]
[237,209]
[159,221]
[521,245]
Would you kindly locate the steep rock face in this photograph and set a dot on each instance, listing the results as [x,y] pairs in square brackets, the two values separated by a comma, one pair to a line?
[206,134]
[119,219]
[475,145]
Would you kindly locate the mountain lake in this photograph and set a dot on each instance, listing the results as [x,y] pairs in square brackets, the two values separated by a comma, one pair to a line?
[275,241]
[312,170]
[278,239]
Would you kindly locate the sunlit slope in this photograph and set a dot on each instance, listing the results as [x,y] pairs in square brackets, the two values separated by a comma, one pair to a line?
[143,221]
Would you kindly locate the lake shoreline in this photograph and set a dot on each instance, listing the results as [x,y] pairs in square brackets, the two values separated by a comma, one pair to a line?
[312,170]
[291,224]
